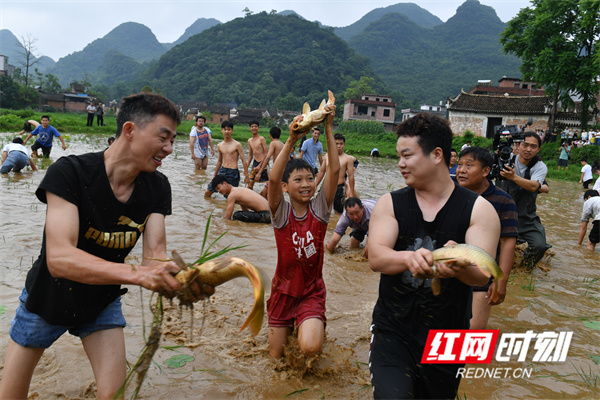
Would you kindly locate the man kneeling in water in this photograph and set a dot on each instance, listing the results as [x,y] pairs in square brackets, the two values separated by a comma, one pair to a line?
[255,208]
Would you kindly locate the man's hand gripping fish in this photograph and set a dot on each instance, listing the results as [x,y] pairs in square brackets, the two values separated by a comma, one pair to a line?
[464,255]
[218,271]
[313,118]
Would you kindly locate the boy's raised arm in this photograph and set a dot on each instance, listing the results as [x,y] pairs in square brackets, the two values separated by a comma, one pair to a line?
[275,190]
[333,160]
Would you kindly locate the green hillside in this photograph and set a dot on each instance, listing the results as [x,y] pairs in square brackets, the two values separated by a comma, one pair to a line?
[428,65]
[131,39]
[256,60]
[415,13]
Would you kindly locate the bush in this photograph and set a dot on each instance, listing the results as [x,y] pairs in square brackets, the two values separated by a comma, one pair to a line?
[362,127]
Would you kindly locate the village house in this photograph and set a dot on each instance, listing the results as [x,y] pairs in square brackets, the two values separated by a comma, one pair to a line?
[217,114]
[371,107]
[512,102]
[245,115]
[77,100]
[439,110]
[6,68]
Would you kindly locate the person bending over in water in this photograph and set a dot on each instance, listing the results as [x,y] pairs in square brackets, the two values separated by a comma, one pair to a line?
[255,208]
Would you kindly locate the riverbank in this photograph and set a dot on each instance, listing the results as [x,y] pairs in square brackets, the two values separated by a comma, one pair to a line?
[356,144]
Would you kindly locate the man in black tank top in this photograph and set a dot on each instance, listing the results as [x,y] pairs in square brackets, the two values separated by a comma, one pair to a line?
[406,226]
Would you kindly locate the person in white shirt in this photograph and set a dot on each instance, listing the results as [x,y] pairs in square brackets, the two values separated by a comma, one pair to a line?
[15,157]
[591,209]
[586,173]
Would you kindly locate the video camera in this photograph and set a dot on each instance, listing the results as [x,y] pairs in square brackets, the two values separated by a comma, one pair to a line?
[504,137]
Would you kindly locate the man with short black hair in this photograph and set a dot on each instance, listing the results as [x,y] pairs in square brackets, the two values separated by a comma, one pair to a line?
[200,141]
[523,182]
[473,172]
[406,226]
[15,157]
[98,206]
[356,215]
[255,207]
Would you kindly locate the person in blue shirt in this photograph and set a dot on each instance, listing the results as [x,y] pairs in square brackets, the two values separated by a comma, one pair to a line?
[45,134]
[311,149]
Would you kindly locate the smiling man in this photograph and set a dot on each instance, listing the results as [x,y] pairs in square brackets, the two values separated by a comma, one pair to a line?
[406,226]
[98,206]
[357,215]
[473,171]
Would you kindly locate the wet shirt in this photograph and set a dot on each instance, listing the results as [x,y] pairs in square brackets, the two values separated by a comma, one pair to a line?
[201,142]
[300,247]
[345,222]
[591,209]
[45,135]
[108,228]
[406,305]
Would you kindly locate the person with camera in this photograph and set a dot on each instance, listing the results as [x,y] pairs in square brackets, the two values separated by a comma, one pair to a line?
[523,182]
[565,152]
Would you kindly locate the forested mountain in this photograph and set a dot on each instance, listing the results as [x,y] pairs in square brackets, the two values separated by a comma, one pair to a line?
[198,26]
[415,13]
[256,60]
[427,65]
[130,39]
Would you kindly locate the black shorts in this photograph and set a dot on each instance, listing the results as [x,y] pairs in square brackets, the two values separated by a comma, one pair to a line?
[252,216]
[595,232]
[264,176]
[563,163]
[45,149]
[340,198]
[587,183]
[358,234]
[397,372]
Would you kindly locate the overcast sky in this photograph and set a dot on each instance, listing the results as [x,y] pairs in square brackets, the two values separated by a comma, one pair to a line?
[65,26]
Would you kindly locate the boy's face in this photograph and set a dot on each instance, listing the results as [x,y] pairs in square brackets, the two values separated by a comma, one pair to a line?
[223,188]
[301,185]
[254,129]
[200,123]
[315,134]
[453,158]
[339,145]
[45,122]
[227,131]
[470,173]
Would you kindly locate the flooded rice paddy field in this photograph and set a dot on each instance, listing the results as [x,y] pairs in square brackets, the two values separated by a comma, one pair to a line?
[209,358]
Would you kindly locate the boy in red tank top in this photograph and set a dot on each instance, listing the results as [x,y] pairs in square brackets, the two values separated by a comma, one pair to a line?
[297,290]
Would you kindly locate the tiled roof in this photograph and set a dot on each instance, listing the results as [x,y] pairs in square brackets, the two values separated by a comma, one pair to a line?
[499,104]
[499,91]
[371,102]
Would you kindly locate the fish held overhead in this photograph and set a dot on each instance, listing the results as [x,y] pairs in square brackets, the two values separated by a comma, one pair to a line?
[310,119]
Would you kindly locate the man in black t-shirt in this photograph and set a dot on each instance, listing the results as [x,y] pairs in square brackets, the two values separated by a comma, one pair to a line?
[98,206]
[406,225]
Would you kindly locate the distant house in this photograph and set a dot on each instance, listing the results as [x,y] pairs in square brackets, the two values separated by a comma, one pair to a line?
[512,102]
[510,86]
[480,113]
[245,115]
[371,107]
[6,68]
[439,110]
[218,114]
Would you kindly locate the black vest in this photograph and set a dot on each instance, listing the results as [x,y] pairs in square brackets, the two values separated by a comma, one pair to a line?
[406,305]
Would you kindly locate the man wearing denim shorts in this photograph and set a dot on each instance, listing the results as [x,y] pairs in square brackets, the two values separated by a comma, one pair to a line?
[94,218]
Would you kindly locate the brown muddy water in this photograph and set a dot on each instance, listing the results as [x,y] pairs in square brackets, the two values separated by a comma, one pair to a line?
[216,361]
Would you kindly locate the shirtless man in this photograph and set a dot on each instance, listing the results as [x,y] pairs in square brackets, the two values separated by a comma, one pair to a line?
[274,150]
[257,149]
[230,151]
[346,169]
[255,208]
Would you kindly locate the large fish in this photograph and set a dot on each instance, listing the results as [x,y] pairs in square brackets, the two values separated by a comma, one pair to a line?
[463,255]
[218,271]
[315,117]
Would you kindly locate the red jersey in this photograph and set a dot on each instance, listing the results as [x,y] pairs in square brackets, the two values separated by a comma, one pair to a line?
[300,248]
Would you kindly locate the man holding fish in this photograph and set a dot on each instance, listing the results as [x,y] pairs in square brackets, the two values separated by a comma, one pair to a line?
[406,226]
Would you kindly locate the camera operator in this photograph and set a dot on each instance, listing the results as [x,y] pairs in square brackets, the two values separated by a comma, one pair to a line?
[523,182]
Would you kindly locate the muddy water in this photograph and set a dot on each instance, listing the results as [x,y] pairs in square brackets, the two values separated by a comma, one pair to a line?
[226,363]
